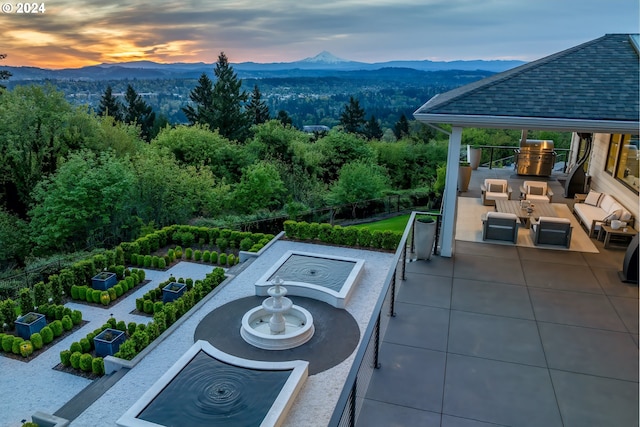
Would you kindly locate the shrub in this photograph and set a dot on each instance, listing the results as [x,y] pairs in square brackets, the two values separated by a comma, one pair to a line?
[111,322]
[376,239]
[141,340]
[222,244]
[7,342]
[75,346]
[245,244]
[131,328]
[206,256]
[47,334]
[349,236]
[197,255]
[140,304]
[178,252]
[104,298]
[56,328]
[85,344]
[172,255]
[188,253]
[95,295]
[26,301]
[75,359]
[82,293]
[97,366]
[364,237]
[119,270]
[112,294]
[26,348]
[15,345]
[67,324]
[214,257]
[147,306]
[76,317]
[162,263]
[231,259]
[85,362]
[223,259]
[59,311]
[141,275]
[121,326]
[130,282]
[155,261]
[147,260]
[127,350]
[390,239]
[74,292]
[117,289]
[256,247]
[36,340]
[157,306]
[65,356]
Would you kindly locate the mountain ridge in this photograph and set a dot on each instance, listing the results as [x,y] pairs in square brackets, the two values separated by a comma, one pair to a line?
[324,61]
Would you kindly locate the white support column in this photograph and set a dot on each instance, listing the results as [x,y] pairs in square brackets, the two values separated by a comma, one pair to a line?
[450,196]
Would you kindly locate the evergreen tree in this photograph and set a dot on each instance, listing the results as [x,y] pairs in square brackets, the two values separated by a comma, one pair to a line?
[401,128]
[228,97]
[284,118]
[202,97]
[4,74]
[109,105]
[372,129]
[137,111]
[352,117]
[257,109]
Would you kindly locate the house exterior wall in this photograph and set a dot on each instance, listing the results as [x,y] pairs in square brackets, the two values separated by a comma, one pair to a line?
[602,182]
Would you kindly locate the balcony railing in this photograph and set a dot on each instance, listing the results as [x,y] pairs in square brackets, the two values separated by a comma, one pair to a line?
[367,358]
[497,155]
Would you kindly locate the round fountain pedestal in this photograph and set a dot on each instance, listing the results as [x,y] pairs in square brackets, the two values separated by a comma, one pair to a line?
[277,324]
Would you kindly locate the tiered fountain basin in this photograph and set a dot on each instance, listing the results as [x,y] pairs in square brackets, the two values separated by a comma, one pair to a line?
[207,387]
[327,278]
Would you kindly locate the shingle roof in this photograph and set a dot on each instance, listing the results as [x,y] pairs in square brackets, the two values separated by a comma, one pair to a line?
[595,82]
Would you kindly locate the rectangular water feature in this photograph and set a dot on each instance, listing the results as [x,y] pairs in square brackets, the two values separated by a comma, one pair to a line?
[327,278]
[207,387]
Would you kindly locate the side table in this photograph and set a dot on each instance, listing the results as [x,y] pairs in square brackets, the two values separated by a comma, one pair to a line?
[579,197]
[621,232]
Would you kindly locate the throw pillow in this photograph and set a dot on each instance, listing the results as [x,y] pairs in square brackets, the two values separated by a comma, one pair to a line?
[536,191]
[593,198]
[496,188]
[613,215]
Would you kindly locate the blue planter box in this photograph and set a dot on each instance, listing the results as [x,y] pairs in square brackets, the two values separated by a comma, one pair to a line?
[29,324]
[173,291]
[107,342]
[103,281]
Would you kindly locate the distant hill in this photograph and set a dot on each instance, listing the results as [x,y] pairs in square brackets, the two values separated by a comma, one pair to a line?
[322,64]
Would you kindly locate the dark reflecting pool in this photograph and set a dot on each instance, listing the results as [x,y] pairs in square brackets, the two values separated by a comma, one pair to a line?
[330,273]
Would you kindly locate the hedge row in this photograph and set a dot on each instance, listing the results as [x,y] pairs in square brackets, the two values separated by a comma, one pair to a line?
[344,236]
[188,236]
[129,279]
[60,319]
[177,253]
[78,355]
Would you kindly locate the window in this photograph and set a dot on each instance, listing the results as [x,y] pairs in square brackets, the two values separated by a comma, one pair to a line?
[623,160]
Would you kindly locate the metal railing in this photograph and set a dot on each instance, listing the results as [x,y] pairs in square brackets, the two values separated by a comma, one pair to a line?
[561,152]
[367,359]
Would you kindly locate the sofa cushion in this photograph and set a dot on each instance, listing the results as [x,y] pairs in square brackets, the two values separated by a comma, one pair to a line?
[593,198]
[502,215]
[609,204]
[536,191]
[613,215]
[554,219]
[496,188]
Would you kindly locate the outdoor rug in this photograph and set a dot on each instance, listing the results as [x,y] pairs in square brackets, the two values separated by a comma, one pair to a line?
[469,227]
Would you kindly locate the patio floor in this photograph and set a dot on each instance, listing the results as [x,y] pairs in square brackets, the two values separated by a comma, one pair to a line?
[509,336]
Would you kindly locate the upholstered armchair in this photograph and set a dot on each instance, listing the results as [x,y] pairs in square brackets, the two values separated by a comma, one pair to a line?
[500,226]
[536,191]
[495,189]
[551,231]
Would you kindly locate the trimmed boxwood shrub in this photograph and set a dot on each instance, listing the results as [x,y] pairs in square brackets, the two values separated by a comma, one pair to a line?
[163,262]
[147,261]
[112,295]
[140,304]
[76,317]
[75,346]
[178,252]
[231,259]
[206,256]
[364,237]
[197,255]
[157,306]
[222,244]
[74,292]
[85,344]
[7,342]
[172,255]
[85,362]
[117,289]
[56,328]
[131,328]
[130,282]
[65,356]
[82,293]
[67,324]
[147,306]
[26,348]
[223,259]
[245,244]
[47,334]
[214,257]
[15,345]
[75,359]
[97,366]
[36,340]
[188,253]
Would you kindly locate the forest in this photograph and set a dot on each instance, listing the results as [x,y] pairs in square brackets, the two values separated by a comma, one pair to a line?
[75,178]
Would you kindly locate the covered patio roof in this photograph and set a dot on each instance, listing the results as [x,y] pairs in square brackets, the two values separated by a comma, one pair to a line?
[591,88]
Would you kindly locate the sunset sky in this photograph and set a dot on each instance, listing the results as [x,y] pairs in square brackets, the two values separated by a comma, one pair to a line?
[75,33]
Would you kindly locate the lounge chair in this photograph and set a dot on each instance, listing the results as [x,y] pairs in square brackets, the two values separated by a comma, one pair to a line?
[500,226]
[494,189]
[551,231]
[536,191]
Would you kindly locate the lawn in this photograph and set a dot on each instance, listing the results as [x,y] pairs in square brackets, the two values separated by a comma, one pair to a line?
[397,223]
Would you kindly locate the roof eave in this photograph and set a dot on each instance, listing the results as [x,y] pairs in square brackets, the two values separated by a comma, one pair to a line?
[533,123]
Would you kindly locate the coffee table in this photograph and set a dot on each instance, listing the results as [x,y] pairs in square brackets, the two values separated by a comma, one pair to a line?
[620,232]
[513,206]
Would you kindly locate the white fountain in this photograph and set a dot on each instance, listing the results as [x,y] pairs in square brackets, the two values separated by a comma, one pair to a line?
[277,324]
